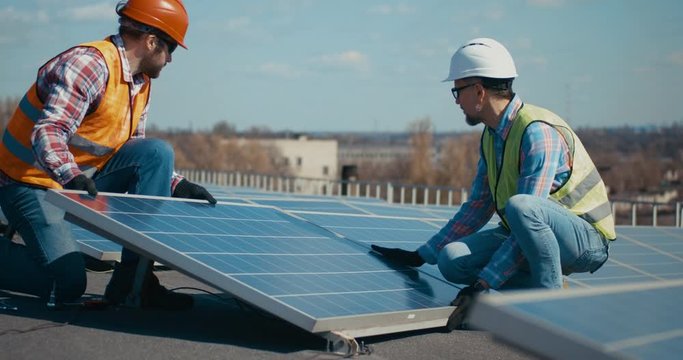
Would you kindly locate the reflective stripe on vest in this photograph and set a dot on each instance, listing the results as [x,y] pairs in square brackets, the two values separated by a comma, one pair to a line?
[583,194]
[100,134]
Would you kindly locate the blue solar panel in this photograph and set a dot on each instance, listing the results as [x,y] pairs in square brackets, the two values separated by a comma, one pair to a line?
[404,233]
[639,254]
[96,246]
[370,229]
[318,205]
[284,265]
[400,210]
[641,321]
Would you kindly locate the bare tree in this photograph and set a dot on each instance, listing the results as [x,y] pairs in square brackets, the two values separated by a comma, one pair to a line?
[458,160]
[421,143]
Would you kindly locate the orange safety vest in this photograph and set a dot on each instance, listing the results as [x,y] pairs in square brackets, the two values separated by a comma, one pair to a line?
[100,135]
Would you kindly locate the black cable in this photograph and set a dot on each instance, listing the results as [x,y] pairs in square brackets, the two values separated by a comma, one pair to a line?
[46,325]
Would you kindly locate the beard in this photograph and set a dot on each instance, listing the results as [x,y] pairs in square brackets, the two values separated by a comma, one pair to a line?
[472,121]
[150,68]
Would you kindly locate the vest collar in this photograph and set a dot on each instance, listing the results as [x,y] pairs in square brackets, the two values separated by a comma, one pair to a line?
[508,118]
[136,80]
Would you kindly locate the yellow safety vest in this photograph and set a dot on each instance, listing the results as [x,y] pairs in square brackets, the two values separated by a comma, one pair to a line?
[583,194]
[99,136]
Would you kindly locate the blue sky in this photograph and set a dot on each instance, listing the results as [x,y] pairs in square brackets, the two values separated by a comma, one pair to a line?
[333,65]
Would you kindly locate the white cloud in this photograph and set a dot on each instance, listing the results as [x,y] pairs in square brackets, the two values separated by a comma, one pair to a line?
[347,60]
[676,58]
[386,9]
[279,70]
[10,14]
[545,3]
[94,12]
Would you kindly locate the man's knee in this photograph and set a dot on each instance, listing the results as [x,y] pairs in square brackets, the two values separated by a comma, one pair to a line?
[455,265]
[521,205]
[160,149]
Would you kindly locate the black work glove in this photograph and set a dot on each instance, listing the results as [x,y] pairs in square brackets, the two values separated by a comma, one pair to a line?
[463,303]
[188,190]
[410,258]
[82,182]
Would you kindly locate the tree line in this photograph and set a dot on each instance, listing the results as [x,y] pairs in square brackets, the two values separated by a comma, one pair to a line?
[631,160]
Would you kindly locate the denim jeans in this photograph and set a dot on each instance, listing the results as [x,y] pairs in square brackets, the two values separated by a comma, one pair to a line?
[552,239]
[51,258]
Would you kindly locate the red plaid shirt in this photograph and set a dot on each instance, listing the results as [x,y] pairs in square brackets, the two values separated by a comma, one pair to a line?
[71,86]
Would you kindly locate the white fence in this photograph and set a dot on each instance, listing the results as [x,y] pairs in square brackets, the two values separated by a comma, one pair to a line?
[627,212]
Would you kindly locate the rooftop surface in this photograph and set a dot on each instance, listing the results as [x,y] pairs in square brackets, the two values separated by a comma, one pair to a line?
[218,327]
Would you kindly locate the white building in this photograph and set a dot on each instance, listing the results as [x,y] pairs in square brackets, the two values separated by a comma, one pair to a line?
[308,158]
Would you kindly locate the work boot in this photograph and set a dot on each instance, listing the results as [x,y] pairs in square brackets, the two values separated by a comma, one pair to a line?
[120,284]
[156,296]
[152,295]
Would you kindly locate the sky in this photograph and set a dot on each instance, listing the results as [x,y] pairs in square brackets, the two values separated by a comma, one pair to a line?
[352,65]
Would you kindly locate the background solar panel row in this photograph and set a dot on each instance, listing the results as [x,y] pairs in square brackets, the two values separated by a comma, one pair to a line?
[639,254]
[638,321]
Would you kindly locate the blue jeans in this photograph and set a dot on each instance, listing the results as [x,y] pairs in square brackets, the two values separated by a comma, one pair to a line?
[51,257]
[552,239]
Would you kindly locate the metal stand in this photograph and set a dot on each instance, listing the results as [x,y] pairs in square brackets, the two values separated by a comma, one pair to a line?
[342,344]
[134,298]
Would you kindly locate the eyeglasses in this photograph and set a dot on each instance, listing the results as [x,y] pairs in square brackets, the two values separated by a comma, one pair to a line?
[170,44]
[456,90]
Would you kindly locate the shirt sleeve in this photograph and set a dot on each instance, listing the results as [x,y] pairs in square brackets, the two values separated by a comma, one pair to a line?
[70,85]
[471,217]
[541,151]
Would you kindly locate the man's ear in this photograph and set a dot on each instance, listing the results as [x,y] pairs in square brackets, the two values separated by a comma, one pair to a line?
[151,41]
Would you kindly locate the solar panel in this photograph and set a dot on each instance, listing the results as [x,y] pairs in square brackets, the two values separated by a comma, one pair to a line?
[641,321]
[393,210]
[281,264]
[406,233]
[639,254]
[327,205]
[96,246]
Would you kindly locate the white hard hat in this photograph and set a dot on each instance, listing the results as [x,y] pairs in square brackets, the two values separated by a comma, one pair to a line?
[482,57]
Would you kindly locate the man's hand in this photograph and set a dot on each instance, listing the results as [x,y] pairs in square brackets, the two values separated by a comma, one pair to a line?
[188,190]
[82,182]
[410,258]
[463,302]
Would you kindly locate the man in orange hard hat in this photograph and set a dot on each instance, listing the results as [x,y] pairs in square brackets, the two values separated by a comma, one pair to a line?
[81,126]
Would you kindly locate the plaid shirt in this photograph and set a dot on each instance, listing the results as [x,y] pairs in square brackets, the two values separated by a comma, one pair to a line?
[71,86]
[544,167]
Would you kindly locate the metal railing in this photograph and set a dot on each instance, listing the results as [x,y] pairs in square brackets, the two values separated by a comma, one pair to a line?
[387,191]
[627,212]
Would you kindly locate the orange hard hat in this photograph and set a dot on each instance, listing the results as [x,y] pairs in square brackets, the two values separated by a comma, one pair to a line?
[168,16]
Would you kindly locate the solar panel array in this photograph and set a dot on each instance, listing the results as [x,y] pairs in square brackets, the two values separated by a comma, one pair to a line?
[103,249]
[306,259]
[638,321]
[290,267]
[640,254]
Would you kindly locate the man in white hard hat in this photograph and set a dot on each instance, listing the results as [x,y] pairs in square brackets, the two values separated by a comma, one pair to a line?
[534,173]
